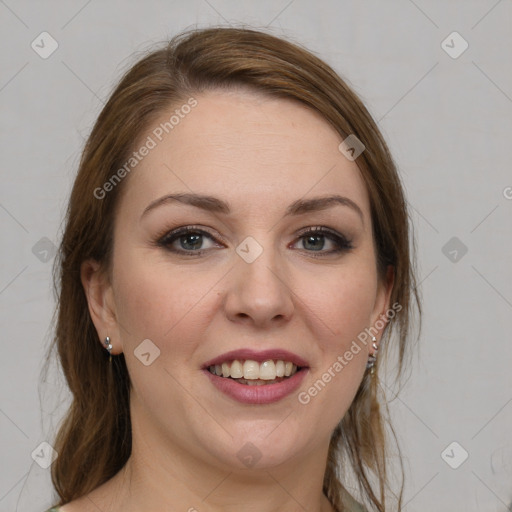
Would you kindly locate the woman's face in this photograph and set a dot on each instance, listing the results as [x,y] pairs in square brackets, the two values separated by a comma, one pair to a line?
[250,283]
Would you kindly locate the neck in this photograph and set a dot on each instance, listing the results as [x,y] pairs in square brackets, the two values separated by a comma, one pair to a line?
[148,489]
[158,478]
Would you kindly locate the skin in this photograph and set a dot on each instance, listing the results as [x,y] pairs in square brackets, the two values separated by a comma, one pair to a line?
[260,154]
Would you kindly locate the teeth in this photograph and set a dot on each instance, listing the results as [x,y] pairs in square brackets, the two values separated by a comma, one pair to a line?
[250,370]
[236,370]
[225,370]
[267,370]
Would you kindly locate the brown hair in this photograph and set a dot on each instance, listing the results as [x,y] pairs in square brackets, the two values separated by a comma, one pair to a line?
[94,440]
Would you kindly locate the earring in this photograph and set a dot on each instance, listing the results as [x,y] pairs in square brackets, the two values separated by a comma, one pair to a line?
[372,357]
[108,345]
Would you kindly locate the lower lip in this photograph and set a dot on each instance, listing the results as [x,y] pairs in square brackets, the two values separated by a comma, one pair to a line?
[264,394]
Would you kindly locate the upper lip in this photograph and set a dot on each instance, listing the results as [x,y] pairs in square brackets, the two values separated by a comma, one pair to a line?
[259,356]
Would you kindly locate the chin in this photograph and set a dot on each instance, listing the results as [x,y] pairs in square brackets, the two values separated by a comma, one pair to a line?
[264,445]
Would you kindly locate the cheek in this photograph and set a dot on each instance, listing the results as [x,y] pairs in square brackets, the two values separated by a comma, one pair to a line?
[340,306]
[340,302]
[154,301]
[168,306]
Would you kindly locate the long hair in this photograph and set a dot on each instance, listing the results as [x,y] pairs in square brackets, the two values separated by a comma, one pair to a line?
[94,439]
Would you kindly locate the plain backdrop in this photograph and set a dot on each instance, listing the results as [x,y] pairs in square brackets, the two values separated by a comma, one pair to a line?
[446,112]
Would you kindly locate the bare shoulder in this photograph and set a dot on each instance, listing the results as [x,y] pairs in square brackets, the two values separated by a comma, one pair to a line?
[83,504]
[74,506]
[96,500]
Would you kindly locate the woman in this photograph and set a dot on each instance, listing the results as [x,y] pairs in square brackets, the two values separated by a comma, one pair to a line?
[236,251]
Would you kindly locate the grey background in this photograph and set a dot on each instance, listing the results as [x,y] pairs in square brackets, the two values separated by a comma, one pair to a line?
[448,122]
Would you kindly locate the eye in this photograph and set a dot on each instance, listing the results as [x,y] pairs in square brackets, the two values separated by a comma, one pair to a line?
[190,241]
[187,240]
[314,240]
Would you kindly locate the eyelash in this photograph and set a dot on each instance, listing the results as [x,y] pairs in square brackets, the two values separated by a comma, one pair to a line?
[342,243]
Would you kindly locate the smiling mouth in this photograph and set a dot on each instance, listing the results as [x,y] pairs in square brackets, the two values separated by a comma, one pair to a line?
[252,373]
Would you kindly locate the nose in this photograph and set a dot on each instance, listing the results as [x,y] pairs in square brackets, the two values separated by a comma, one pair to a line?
[259,293]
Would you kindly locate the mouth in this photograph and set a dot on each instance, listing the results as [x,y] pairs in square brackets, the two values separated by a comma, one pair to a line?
[254,377]
[252,373]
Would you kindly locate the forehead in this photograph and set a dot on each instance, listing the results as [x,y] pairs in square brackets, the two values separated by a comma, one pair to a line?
[247,148]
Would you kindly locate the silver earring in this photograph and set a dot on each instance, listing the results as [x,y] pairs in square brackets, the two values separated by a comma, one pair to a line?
[372,357]
[108,346]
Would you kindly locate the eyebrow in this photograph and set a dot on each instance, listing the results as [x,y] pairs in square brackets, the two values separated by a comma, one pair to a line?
[216,205]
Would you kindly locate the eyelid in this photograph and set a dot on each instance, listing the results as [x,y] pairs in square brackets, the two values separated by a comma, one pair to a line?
[168,236]
[343,242]
[164,238]
[321,229]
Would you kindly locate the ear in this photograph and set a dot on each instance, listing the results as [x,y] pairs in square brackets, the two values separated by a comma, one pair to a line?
[382,303]
[100,299]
